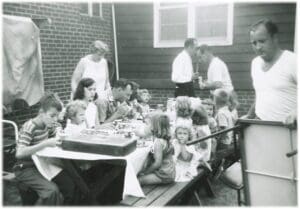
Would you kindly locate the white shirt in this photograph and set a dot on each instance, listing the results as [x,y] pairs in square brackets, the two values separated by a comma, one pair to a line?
[74,129]
[182,68]
[218,71]
[98,71]
[91,113]
[275,89]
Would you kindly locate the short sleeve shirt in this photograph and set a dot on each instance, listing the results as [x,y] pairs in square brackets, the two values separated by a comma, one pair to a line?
[275,89]
[224,119]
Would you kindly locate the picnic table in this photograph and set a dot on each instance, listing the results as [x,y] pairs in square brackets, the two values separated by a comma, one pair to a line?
[134,162]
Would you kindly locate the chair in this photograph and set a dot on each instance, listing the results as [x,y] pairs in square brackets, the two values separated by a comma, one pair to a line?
[232,177]
[28,196]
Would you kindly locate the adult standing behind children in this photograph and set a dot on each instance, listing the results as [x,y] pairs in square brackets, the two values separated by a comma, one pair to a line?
[217,72]
[94,66]
[274,76]
[182,70]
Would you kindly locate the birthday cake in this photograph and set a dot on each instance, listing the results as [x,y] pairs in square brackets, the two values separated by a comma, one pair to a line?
[100,142]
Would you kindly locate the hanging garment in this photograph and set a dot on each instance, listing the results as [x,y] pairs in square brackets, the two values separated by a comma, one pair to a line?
[22,61]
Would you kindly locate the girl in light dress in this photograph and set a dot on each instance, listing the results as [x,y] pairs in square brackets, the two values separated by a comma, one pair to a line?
[185,157]
[143,97]
[159,168]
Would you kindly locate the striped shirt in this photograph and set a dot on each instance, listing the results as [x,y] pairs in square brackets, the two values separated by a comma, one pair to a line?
[31,134]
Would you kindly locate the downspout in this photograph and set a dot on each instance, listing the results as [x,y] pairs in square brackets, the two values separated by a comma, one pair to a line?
[115,40]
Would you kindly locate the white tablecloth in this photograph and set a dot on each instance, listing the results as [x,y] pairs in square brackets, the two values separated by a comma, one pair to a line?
[135,161]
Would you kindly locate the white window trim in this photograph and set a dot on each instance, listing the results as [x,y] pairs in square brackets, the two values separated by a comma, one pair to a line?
[191,27]
[90,10]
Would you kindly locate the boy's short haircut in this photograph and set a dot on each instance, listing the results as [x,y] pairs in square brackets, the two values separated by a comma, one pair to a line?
[221,97]
[140,92]
[51,100]
[72,108]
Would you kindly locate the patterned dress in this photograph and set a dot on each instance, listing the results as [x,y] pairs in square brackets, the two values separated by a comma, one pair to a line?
[167,169]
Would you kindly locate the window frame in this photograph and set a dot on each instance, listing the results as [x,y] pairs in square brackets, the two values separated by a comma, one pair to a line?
[90,10]
[191,27]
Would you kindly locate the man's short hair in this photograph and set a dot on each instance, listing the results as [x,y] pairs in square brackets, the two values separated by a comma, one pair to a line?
[269,25]
[122,83]
[189,42]
[204,48]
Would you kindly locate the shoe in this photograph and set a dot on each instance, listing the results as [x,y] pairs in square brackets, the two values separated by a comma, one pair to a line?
[219,171]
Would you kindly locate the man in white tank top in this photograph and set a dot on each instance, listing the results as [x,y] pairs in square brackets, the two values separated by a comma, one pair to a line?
[274,75]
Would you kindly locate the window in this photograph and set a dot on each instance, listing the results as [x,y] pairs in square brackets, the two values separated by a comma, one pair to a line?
[91,9]
[210,23]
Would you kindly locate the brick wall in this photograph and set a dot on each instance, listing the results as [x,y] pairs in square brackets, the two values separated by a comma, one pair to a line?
[245,98]
[63,43]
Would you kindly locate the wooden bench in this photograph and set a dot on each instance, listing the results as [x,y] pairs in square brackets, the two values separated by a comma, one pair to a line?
[169,194]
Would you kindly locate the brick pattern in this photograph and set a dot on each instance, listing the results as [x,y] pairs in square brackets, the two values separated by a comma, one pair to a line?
[245,98]
[63,43]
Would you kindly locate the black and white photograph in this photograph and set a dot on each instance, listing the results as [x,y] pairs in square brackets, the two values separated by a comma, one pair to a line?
[149,103]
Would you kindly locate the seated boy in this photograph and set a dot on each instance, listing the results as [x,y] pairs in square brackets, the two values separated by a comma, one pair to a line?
[35,135]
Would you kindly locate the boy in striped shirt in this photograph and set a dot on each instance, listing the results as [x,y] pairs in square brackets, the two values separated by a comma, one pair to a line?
[36,134]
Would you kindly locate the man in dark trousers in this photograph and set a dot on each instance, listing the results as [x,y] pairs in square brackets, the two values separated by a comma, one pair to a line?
[182,70]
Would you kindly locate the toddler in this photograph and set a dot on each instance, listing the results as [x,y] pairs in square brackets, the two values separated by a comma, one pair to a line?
[183,109]
[143,97]
[160,166]
[75,115]
[224,118]
[209,107]
[185,156]
[201,129]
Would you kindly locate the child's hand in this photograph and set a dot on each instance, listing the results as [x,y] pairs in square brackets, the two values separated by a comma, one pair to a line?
[52,142]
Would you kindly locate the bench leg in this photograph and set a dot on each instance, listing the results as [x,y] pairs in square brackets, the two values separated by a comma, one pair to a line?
[197,197]
[208,187]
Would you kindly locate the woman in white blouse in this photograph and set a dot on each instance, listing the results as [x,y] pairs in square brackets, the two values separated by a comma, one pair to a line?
[94,66]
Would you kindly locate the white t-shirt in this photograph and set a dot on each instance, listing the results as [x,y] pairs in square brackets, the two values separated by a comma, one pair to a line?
[182,68]
[98,71]
[218,71]
[275,89]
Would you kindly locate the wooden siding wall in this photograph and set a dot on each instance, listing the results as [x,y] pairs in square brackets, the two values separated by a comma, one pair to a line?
[151,67]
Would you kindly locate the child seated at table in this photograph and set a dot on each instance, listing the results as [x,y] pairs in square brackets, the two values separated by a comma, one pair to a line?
[183,109]
[143,97]
[75,116]
[224,118]
[212,123]
[201,129]
[35,135]
[160,166]
[185,157]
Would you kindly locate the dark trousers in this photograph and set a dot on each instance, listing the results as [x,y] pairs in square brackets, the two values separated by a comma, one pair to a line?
[184,89]
[60,191]
[47,191]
